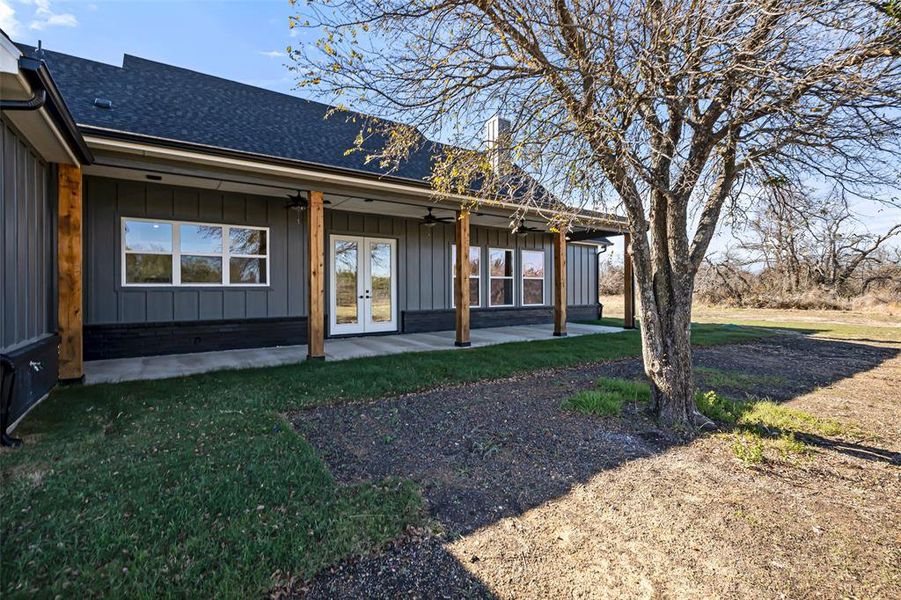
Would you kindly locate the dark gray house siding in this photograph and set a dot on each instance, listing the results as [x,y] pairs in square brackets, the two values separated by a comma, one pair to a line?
[121,321]
[107,301]
[27,247]
[424,266]
[132,321]
[28,340]
[581,275]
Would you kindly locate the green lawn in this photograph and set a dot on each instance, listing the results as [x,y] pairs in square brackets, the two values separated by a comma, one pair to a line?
[199,486]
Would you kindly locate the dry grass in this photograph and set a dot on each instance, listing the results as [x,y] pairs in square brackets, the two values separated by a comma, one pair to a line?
[696,522]
[878,322]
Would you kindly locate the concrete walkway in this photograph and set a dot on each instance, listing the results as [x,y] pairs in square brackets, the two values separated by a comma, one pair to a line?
[178,365]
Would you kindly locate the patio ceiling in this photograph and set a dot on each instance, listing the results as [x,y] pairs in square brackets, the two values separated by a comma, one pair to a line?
[338,198]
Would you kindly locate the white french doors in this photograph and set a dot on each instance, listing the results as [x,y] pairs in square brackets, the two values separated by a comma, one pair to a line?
[363,284]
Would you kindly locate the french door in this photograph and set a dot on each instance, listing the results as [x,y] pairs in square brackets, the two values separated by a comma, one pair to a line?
[363,284]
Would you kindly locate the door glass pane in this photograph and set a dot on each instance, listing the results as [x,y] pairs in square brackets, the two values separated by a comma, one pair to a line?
[201,269]
[247,270]
[380,272]
[148,268]
[206,239]
[346,269]
[144,236]
[246,241]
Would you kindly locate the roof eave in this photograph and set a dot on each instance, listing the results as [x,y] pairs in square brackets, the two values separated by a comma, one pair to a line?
[38,76]
[597,222]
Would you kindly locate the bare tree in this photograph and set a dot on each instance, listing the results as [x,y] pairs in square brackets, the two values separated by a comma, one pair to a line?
[611,279]
[839,251]
[804,240]
[661,108]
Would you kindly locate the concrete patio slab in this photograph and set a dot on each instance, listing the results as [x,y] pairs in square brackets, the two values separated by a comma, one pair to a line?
[179,365]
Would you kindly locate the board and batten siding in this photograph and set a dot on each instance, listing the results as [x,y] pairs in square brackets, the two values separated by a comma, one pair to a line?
[424,265]
[423,269]
[581,275]
[107,201]
[27,245]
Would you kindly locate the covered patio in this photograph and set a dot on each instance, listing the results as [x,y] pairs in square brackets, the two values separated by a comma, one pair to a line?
[179,365]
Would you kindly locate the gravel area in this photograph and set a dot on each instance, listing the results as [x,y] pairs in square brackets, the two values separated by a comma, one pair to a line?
[490,457]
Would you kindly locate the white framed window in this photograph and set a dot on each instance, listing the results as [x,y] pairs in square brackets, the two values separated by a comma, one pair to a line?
[181,253]
[475,276]
[500,277]
[532,277]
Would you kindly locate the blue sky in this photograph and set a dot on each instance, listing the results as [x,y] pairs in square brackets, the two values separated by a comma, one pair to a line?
[240,40]
[244,41]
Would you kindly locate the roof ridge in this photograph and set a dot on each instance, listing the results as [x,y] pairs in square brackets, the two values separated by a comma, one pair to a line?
[31,49]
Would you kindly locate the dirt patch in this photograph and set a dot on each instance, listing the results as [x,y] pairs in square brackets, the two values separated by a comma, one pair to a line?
[532,501]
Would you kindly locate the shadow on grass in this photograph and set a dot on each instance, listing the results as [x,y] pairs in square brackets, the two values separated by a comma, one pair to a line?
[492,451]
[855,450]
[195,485]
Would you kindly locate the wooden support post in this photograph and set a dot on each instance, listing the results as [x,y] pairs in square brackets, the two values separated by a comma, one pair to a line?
[461,279]
[560,283]
[628,283]
[69,269]
[316,273]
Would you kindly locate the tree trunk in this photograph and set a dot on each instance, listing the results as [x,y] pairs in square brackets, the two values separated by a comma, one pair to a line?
[669,371]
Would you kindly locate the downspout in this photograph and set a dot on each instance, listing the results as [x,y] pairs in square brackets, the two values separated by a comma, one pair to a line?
[38,101]
[601,250]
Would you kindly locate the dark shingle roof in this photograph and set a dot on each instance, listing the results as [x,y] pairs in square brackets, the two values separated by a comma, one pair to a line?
[162,101]
[159,100]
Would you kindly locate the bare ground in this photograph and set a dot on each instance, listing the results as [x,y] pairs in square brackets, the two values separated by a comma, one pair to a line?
[530,501]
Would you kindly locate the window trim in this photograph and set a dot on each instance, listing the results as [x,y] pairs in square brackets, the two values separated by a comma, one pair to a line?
[523,278]
[176,254]
[511,277]
[477,277]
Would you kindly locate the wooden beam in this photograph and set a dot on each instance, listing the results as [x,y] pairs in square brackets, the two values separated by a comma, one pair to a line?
[628,283]
[69,269]
[316,274]
[560,283]
[461,278]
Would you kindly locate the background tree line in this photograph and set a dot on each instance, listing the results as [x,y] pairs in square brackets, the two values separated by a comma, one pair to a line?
[795,248]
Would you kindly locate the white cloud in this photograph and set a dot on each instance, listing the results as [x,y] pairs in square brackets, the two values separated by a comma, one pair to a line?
[294,32]
[44,16]
[8,20]
[61,20]
[272,53]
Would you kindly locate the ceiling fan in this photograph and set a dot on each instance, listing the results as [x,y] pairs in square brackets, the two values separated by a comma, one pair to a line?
[298,201]
[523,229]
[430,220]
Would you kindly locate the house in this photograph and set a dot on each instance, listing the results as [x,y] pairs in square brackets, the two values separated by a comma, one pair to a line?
[150,209]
